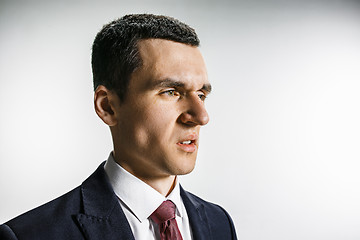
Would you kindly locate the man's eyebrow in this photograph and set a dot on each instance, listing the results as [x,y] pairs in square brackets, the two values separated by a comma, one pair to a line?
[168,83]
[207,88]
[171,83]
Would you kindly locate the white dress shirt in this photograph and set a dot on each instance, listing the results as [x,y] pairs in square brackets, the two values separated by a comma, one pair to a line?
[138,201]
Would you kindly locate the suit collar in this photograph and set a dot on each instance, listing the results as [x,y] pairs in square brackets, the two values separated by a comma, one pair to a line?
[197,216]
[102,216]
[141,207]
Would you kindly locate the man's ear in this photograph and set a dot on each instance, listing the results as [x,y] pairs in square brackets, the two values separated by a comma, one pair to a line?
[104,105]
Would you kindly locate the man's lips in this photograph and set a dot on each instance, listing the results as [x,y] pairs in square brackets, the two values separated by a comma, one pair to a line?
[188,144]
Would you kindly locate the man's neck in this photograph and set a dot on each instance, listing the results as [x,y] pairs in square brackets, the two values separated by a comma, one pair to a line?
[163,184]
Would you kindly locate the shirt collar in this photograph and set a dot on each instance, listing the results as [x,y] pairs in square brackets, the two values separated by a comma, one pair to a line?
[141,199]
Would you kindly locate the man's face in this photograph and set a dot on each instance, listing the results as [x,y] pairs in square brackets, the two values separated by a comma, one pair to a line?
[158,123]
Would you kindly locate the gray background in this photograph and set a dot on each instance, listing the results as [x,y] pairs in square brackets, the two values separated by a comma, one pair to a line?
[281,151]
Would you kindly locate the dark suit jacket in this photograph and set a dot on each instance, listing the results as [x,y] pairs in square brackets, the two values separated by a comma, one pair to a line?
[92,211]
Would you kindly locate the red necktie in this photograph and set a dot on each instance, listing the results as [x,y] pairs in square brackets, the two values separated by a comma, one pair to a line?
[164,216]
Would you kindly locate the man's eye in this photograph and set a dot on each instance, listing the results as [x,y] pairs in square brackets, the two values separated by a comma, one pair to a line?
[202,96]
[170,93]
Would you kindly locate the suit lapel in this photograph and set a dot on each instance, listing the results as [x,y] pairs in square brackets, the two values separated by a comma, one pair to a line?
[197,217]
[103,217]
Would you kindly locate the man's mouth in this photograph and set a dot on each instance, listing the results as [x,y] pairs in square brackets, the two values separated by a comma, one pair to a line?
[188,145]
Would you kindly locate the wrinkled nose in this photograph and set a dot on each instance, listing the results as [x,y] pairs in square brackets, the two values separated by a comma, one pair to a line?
[195,112]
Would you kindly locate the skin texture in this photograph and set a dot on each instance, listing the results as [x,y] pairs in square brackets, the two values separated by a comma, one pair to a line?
[163,106]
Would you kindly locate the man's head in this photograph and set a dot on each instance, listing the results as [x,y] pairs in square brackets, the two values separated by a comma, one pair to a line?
[115,53]
[155,125]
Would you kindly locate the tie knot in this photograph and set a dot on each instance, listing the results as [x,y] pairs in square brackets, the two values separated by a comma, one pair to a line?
[165,212]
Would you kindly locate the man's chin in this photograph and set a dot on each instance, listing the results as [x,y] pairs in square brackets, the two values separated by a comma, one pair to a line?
[184,170]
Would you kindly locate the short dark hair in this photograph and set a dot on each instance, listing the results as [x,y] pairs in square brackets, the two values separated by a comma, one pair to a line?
[115,54]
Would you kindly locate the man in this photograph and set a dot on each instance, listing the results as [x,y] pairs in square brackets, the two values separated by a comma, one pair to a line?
[150,85]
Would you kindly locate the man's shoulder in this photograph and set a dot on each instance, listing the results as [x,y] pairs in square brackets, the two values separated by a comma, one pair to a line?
[59,218]
[57,213]
[219,221]
[67,202]
[209,207]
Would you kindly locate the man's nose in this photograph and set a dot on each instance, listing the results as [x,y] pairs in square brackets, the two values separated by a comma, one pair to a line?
[195,112]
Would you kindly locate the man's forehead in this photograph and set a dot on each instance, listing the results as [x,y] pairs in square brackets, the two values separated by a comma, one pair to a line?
[165,60]
[155,48]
